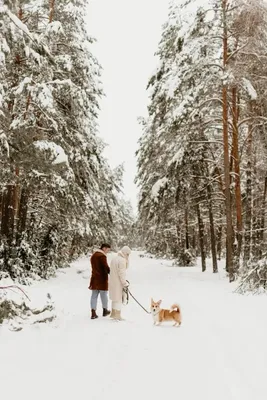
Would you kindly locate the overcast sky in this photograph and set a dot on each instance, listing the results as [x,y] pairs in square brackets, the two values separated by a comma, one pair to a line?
[127,33]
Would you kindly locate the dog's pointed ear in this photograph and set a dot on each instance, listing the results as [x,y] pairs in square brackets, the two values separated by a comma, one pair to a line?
[152,301]
[159,302]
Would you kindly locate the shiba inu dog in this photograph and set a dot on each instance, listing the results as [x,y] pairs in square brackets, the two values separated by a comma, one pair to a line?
[161,315]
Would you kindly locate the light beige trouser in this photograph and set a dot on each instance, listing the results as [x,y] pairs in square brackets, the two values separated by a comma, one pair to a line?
[116,305]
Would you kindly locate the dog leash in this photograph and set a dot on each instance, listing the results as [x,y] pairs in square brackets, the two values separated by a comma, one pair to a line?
[138,302]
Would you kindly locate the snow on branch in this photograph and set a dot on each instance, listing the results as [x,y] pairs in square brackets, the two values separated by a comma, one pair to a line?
[19,24]
[160,184]
[26,81]
[250,89]
[10,287]
[254,279]
[54,27]
[4,143]
[42,49]
[177,158]
[60,157]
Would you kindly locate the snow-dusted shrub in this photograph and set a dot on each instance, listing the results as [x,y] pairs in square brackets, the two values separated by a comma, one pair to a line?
[253,276]
[186,258]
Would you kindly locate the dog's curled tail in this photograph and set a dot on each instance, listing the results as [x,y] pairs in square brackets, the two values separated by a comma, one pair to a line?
[175,307]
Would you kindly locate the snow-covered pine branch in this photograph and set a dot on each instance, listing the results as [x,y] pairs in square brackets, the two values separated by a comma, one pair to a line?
[210,81]
[58,194]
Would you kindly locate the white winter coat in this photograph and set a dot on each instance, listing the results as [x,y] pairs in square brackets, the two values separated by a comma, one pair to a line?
[117,277]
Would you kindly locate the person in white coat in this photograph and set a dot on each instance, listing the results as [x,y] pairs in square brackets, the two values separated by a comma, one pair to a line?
[117,280]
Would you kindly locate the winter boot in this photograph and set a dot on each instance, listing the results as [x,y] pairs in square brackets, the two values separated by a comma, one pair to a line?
[118,316]
[113,314]
[105,312]
[93,315]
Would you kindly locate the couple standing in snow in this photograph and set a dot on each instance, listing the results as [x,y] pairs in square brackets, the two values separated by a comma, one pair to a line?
[115,284]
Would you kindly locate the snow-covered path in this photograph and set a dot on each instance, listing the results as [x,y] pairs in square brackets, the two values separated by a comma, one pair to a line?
[219,352]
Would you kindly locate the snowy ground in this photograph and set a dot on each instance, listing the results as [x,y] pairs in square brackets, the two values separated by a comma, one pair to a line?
[219,352]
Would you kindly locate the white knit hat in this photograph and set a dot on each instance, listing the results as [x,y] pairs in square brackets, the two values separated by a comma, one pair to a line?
[126,250]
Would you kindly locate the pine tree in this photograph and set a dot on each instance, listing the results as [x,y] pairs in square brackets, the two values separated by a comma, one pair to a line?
[206,114]
[59,195]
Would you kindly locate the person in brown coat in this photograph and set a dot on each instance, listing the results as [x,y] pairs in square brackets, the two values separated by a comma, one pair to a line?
[99,280]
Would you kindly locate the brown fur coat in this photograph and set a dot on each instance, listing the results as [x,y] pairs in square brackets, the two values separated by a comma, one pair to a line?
[100,271]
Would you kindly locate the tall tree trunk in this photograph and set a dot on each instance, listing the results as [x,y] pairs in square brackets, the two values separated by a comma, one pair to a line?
[238,197]
[194,245]
[219,233]
[186,229]
[262,218]
[51,10]
[212,231]
[16,188]
[201,238]
[11,197]
[8,215]
[256,220]
[6,225]
[255,229]
[4,210]
[16,192]
[229,232]
[22,217]
[178,234]
[248,215]
[1,202]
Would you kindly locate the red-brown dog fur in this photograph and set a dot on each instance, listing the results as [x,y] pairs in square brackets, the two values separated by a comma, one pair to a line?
[161,315]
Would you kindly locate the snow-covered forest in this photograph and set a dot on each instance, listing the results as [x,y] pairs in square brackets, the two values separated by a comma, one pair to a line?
[79,318]
[203,153]
[58,195]
[201,160]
